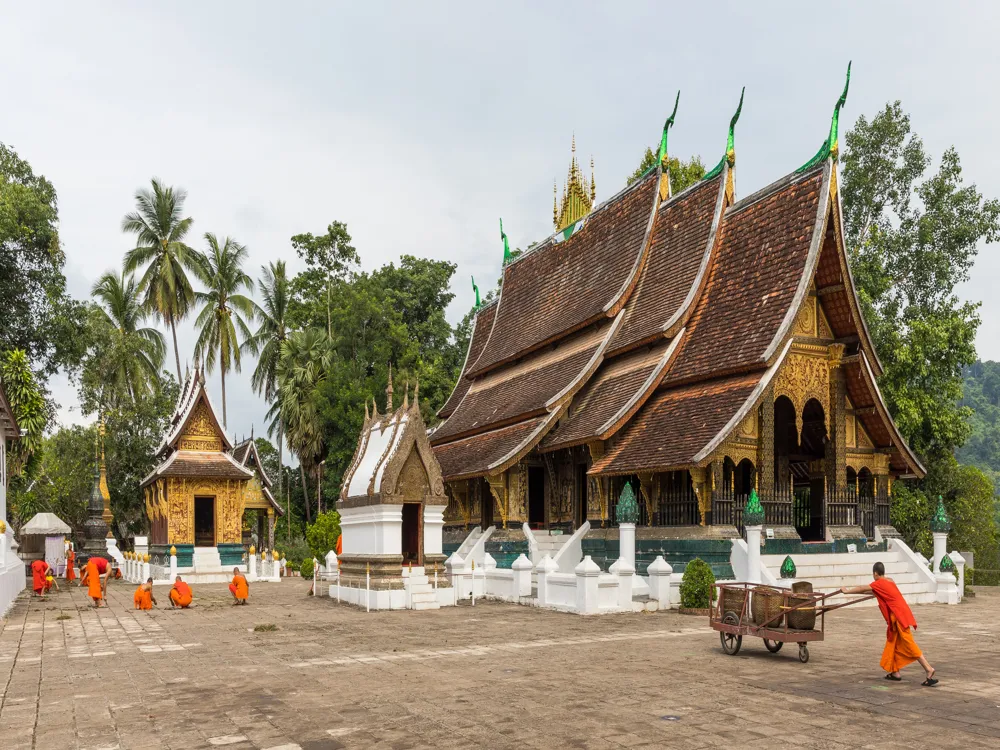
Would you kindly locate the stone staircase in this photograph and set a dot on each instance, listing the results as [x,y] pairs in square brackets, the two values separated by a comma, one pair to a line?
[548,543]
[207,559]
[829,572]
[419,592]
[470,542]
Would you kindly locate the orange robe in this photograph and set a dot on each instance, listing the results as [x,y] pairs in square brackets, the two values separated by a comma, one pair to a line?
[180,594]
[70,562]
[340,545]
[143,598]
[94,580]
[240,588]
[900,648]
[38,568]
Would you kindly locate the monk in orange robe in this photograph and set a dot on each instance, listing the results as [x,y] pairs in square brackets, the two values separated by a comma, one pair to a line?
[340,544]
[39,571]
[97,571]
[143,597]
[180,594]
[900,647]
[239,587]
[70,562]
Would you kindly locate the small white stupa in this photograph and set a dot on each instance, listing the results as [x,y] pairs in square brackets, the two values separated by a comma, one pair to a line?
[392,512]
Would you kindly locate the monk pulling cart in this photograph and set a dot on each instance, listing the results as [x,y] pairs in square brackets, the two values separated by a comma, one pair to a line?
[732,615]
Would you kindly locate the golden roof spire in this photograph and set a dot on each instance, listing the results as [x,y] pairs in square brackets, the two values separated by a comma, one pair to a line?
[578,194]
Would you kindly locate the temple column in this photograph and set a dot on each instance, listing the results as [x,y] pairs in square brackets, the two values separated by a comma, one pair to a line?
[270,528]
[498,488]
[718,483]
[648,499]
[597,501]
[700,484]
[836,445]
[765,447]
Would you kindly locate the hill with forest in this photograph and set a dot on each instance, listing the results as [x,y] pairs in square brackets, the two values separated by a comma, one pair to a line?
[981,394]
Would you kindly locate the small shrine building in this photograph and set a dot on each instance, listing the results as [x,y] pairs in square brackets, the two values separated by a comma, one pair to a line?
[260,503]
[196,496]
[696,346]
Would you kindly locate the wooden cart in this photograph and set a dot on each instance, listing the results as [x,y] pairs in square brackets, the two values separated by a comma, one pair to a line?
[732,625]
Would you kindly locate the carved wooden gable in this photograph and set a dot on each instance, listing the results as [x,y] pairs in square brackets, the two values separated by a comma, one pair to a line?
[201,433]
[412,472]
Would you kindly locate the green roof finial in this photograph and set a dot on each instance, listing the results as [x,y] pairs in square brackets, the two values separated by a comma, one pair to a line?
[788,567]
[506,245]
[730,155]
[476,290]
[753,514]
[831,146]
[666,128]
[940,523]
[947,565]
[627,510]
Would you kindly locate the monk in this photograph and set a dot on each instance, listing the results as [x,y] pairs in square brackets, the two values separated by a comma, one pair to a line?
[39,571]
[97,580]
[70,563]
[900,648]
[239,587]
[340,544]
[180,595]
[143,597]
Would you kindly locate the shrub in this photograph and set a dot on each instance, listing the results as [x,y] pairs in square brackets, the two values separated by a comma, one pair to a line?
[307,568]
[697,585]
[322,535]
[290,566]
[297,549]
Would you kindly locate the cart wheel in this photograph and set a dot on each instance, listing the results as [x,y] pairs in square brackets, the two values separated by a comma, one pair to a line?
[731,643]
[773,646]
[803,653]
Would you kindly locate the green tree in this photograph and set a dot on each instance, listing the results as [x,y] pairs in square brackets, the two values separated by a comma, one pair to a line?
[129,357]
[160,230]
[31,412]
[912,238]
[331,258]
[222,323]
[39,319]
[322,535]
[683,174]
[272,332]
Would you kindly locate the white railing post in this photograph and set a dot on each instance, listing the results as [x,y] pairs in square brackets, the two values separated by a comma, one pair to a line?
[252,565]
[145,568]
[659,572]
[489,565]
[545,566]
[522,577]
[587,573]
[173,564]
[624,570]
[753,553]
[455,570]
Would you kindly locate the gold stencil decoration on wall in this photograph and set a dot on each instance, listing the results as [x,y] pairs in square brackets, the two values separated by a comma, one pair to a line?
[805,324]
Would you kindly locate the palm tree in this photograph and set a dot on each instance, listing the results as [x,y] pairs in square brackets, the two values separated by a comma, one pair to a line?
[306,356]
[134,355]
[222,321]
[160,233]
[266,343]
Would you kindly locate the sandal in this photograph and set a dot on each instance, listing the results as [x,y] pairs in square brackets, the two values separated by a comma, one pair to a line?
[929,682]
[893,679]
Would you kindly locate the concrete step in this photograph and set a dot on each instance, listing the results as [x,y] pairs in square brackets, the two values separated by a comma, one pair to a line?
[424,596]
[426,605]
[856,580]
[420,589]
[416,581]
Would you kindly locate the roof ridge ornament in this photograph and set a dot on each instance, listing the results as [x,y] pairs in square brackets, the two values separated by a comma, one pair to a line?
[831,146]
[507,257]
[730,155]
[388,392]
[663,159]
[476,290]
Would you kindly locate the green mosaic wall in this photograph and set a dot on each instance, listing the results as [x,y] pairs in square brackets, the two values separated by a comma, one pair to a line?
[677,552]
[796,547]
[231,554]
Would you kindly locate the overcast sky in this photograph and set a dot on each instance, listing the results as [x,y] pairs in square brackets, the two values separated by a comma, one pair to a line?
[419,124]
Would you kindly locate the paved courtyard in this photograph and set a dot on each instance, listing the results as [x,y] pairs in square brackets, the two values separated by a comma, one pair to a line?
[496,676]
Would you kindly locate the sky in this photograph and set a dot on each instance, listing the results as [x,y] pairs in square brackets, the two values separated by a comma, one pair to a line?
[419,124]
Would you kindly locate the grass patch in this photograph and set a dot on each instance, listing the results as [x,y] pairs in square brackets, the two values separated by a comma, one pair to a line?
[265,628]
[64,617]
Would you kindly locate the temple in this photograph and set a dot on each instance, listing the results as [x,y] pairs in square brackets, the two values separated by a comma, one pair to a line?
[260,503]
[196,496]
[694,346]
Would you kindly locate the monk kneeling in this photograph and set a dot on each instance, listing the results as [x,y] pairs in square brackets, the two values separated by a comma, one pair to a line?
[180,594]
[239,587]
[144,596]
[900,648]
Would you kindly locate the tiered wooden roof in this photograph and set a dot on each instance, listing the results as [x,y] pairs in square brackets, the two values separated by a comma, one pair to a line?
[196,445]
[247,456]
[659,321]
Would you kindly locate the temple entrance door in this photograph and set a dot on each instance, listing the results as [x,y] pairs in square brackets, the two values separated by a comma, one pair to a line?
[581,495]
[412,534]
[486,519]
[536,497]
[204,522]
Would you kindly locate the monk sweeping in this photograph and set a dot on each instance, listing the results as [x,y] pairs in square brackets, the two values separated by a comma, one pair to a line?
[39,571]
[97,572]
[180,595]
[239,587]
[900,648]
[143,597]
[70,563]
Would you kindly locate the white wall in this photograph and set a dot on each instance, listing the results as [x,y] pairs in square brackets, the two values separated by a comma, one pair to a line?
[373,530]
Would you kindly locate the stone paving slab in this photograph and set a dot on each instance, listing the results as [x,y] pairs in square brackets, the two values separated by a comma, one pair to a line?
[493,675]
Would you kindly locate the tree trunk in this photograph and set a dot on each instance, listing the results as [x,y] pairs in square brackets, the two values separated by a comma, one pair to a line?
[177,352]
[319,490]
[281,430]
[305,491]
[222,370]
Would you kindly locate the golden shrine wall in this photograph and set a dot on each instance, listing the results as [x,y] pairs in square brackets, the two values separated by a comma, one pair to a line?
[170,502]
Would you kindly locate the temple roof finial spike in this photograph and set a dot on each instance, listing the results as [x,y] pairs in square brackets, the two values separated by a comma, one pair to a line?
[367,416]
[730,155]
[666,129]
[506,244]
[416,391]
[593,183]
[406,397]
[835,121]
[476,290]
